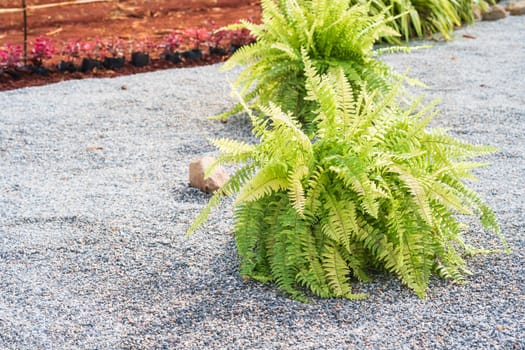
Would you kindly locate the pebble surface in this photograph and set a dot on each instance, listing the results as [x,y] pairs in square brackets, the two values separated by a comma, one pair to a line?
[94,204]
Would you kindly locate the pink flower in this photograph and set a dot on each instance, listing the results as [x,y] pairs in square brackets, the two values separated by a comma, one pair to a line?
[72,49]
[172,42]
[203,34]
[10,57]
[43,48]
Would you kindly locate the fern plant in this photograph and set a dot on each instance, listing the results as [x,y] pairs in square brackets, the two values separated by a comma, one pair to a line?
[333,33]
[414,18]
[372,188]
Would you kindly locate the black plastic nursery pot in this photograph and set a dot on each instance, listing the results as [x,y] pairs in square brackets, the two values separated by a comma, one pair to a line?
[139,59]
[11,73]
[89,64]
[192,55]
[234,48]
[114,62]
[39,70]
[67,66]
[173,57]
[218,51]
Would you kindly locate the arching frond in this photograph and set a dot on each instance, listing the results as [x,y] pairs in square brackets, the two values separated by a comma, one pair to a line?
[231,152]
[296,189]
[271,178]
[337,273]
[418,191]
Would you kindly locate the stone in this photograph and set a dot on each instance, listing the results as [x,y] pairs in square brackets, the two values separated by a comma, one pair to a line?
[476,11]
[516,8]
[494,13]
[211,184]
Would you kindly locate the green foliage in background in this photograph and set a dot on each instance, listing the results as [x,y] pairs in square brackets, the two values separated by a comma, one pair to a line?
[416,18]
[371,188]
[333,33]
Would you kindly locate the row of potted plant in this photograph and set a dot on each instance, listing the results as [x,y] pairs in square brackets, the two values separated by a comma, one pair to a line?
[78,55]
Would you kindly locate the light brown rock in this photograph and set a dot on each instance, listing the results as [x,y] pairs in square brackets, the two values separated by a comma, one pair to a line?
[211,184]
[476,11]
[494,13]
[516,8]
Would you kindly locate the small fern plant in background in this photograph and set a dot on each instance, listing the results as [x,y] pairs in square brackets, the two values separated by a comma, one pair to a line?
[333,33]
[414,18]
[372,188]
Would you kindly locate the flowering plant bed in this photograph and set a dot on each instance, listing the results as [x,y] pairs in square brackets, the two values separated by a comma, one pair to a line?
[78,59]
[141,27]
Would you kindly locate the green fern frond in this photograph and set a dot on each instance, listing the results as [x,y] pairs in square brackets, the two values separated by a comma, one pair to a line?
[214,201]
[283,272]
[271,178]
[233,185]
[248,234]
[417,188]
[288,122]
[417,264]
[357,259]
[353,174]
[337,273]
[227,114]
[312,275]
[237,150]
[315,188]
[449,198]
[296,189]
[346,103]
[284,247]
[231,152]
[238,180]
[340,222]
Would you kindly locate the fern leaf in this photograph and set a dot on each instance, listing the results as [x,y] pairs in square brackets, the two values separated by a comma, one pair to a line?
[337,272]
[271,178]
[353,173]
[312,274]
[234,149]
[281,119]
[416,272]
[449,198]
[345,99]
[237,180]
[287,50]
[248,229]
[340,222]
[357,260]
[315,188]
[296,190]
[321,91]
[284,247]
[417,190]
[283,273]
[214,201]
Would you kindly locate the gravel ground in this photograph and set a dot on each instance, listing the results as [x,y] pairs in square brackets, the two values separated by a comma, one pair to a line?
[94,204]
